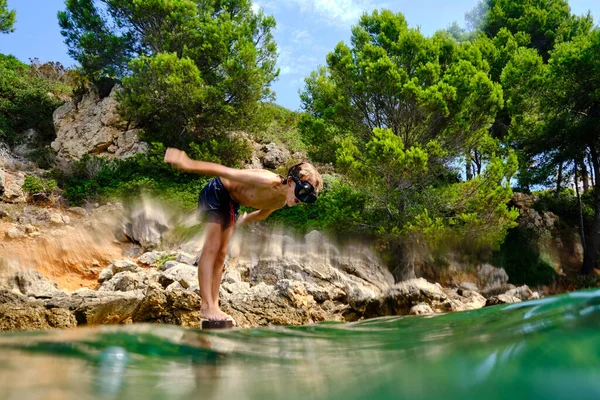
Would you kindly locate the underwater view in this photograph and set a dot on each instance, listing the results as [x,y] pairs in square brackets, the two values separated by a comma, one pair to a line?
[547,348]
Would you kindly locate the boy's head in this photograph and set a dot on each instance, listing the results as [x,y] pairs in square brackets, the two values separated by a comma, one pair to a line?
[307,172]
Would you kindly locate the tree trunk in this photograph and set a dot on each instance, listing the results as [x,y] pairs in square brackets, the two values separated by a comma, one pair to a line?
[584,177]
[593,238]
[592,174]
[559,180]
[581,225]
[468,166]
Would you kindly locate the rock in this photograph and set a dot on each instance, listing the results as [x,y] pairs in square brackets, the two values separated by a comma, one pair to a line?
[56,219]
[123,282]
[502,299]
[522,293]
[151,258]
[11,187]
[489,277]
[124,265]
[15,232]
[186,258]
[185,274]
[468,286]
[403,295]
[79,211]
[29,318]
[105,274]
[523,201]
[180,307]
[146,223]
[92,126]
[472,300]
[274,156]
[420,309]
[32,283]
[66,219]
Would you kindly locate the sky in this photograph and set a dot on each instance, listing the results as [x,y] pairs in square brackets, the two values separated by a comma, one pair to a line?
[306,30]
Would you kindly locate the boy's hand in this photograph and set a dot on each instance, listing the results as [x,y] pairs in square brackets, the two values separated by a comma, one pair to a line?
[241,220]
[175,157]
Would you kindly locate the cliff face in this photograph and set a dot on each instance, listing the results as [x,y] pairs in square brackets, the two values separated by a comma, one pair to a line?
[554,244]
[93,126]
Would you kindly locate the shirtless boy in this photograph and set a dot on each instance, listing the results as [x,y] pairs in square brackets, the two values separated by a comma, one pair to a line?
[220,200]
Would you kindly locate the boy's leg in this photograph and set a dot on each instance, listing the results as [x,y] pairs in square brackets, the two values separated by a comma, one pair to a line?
[218,264]
[212,244]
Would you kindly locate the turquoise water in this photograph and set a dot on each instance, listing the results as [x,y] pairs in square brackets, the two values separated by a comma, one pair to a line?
[546,349]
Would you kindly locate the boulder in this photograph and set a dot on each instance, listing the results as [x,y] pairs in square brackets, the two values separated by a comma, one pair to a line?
[145,223]
[11,187]
[93,126]
[274,156]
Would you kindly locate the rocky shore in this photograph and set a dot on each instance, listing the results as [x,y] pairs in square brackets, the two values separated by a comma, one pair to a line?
[269,279]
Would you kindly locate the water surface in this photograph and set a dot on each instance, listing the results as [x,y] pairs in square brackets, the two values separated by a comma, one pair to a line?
[546,349]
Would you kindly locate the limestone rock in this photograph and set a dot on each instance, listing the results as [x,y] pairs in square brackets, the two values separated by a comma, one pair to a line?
[32,283]
[15,232]
[145,223]
[274,156]
[489,276]
[92,126]
[11,187]
[420,309]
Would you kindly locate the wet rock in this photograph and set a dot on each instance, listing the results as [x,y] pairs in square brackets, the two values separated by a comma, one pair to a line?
[180,307]
[29,318]
[522,293]
[502,299]
[403,295]
[421,309]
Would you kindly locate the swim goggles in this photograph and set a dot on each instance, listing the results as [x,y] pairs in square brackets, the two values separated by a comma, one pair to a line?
[304,191]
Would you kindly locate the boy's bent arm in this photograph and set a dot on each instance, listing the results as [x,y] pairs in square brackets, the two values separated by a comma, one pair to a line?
[181,161]
[254,216]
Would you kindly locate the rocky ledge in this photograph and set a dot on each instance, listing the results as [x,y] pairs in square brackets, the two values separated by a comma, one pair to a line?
[269,280]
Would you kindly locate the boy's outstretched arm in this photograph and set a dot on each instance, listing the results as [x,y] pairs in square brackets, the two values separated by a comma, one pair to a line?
[181,161]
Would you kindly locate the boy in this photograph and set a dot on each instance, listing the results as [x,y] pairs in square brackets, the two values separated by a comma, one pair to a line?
[220,200]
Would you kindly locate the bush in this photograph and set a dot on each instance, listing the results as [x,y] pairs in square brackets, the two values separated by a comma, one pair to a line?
[41,190]
[99,178]
[26,100]
[521,260]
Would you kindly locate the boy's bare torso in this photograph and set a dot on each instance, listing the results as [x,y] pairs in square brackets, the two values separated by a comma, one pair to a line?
[263,193]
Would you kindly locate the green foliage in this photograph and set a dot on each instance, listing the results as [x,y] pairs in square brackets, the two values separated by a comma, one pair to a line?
[98,178]
[40,189]
[566,206]
[339,210]
[26,101]
[190,69]
[521,259]
[546,23]
[230,151]
[423,89]
[7,18]
[34,185]
[277,124]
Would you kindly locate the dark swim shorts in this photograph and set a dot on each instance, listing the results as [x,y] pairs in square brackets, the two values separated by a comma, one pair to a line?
[216,205]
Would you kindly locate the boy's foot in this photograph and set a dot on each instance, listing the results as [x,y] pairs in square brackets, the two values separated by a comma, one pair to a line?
[215,314]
